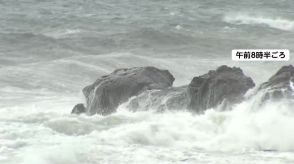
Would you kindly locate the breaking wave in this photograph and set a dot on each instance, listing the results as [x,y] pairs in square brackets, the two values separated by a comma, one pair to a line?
[245,129]
[277,23]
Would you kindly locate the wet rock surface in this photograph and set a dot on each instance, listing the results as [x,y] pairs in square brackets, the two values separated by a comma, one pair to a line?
[109,91]
[280,85]
[78,109]
[225,84]
[149,88]
[174,98]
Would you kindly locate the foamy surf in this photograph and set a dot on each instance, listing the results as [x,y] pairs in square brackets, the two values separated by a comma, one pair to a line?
[253,134]
[250,19]
[50,50]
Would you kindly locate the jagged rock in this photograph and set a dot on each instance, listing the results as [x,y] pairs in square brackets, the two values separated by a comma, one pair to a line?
[150,88]
[78,109]
[109,91]
[226,84]
[280,85]
[174,98]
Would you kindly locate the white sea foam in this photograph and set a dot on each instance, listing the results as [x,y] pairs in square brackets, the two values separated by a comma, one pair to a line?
[277,23]
[51,50]
[61,33]
[291,85]
[39,131]
[127,137]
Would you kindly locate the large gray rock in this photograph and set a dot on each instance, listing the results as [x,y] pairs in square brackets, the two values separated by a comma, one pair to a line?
[173,98]
[109,91]
[280,85]
[225,85]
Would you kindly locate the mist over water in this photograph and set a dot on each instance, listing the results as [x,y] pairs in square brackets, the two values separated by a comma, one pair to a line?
[50,50]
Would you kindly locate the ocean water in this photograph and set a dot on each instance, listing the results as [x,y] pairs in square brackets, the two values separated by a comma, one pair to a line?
[51,49]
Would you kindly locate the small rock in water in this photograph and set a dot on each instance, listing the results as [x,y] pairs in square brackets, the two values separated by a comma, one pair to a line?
[78,109]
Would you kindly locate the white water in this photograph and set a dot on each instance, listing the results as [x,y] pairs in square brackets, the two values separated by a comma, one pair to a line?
[50,50]
[36,127]
[251,19]
[255,135]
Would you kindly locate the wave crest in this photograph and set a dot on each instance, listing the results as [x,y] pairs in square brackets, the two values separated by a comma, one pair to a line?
[277,23]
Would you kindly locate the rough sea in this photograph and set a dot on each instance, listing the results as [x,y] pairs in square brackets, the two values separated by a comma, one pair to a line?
[51,49]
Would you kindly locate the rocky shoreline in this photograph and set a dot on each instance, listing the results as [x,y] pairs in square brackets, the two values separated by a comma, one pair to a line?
[152,88]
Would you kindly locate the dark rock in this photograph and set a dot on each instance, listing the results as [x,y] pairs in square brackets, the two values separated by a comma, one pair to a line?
[174,98]
[109,91]
[78,109]
[225,85]
[280,85]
